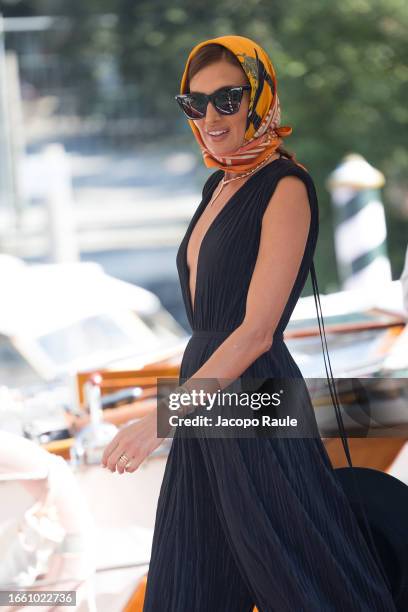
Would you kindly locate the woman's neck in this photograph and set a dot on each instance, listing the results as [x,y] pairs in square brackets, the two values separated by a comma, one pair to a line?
[229,175]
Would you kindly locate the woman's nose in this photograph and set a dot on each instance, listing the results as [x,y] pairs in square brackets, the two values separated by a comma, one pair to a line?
[212,112]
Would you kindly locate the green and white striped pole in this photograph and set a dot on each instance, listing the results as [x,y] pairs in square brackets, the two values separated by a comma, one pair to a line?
[360,228]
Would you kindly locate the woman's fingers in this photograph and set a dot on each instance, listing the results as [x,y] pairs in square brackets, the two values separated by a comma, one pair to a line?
[121,465]
[109,449]
[113,462]
[132,465]
[137,441]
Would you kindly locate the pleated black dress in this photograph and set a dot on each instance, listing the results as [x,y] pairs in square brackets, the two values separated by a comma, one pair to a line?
[252,521]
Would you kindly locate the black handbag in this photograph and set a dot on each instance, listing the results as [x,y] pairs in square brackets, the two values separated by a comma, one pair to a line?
[378,500]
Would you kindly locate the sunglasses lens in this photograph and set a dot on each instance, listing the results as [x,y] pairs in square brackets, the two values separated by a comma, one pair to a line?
[193,106]
[228,101]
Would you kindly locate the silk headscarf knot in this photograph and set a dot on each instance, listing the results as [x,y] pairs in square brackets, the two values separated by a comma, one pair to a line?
[263,133]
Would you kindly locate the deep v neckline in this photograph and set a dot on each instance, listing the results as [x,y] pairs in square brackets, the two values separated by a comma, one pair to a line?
[194,222]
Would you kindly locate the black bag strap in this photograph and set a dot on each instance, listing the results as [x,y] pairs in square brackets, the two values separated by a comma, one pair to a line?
[332,386]
[337,408]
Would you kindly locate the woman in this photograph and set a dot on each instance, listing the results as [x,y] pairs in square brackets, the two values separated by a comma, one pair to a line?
[243,522]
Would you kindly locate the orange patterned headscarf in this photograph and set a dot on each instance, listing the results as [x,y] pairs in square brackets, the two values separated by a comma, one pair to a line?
[263,130]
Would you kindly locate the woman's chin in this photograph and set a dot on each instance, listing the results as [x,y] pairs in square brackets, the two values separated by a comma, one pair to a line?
[221,149]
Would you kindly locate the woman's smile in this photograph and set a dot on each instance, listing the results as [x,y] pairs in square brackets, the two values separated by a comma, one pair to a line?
[216,135]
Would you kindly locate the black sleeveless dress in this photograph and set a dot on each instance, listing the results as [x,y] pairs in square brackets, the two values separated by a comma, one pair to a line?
[243,522]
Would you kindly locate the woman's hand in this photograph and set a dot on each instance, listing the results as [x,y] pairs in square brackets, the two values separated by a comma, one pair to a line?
[137,440]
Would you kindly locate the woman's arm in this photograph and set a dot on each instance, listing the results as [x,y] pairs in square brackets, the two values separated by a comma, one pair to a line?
[284,232]
[285,227]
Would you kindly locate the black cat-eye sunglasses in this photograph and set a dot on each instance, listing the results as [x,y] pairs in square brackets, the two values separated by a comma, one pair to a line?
[226,100]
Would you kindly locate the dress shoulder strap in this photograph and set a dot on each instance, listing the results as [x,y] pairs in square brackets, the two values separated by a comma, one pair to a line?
[211,181]
[292,169]
[270,179]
